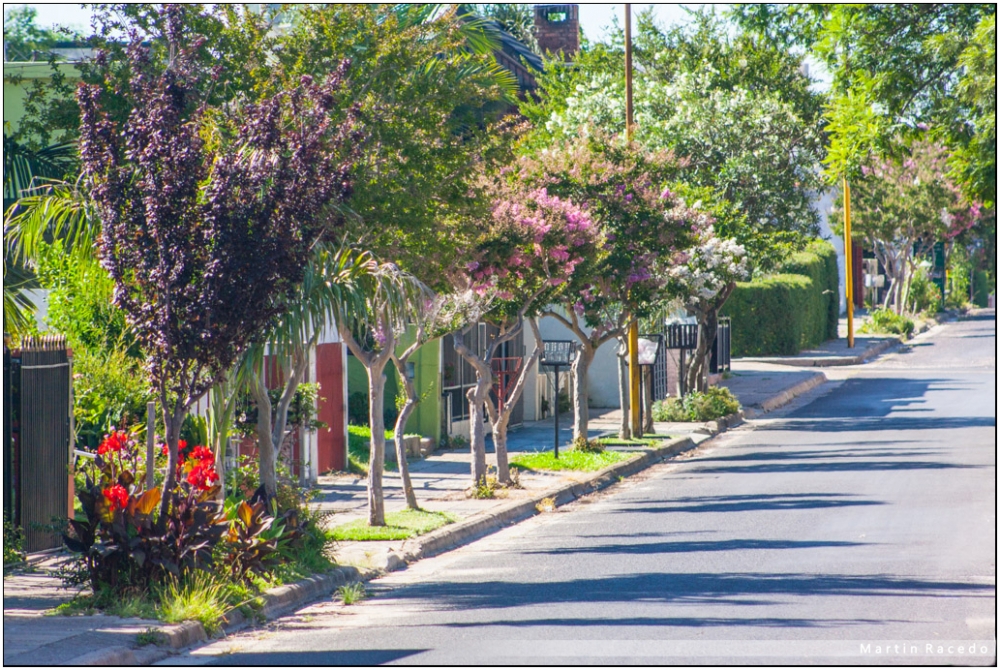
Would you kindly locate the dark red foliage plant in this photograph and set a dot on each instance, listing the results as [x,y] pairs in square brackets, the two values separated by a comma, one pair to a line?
[208,214]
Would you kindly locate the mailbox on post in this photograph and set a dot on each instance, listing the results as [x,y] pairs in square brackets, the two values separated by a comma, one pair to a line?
[555,354]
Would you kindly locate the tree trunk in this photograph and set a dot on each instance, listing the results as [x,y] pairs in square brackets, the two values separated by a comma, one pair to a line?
[499,420]
[625,428]
[376,421]
[477,396]
[400,428]
[581,384]
[708,326]
[647,397]
[172,422]
[374,363]
[265,444]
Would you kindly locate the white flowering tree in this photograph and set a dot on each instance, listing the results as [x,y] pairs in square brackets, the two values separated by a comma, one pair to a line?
[704,278]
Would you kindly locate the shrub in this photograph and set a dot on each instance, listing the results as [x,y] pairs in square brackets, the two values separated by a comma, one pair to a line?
[768,315]
[109,391]
[796,308]
[13,544]
[714,403]
[887,321]
[925,295]
[125,547]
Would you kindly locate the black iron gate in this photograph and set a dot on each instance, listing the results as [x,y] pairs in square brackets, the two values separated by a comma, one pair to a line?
[37,438]
[721,352]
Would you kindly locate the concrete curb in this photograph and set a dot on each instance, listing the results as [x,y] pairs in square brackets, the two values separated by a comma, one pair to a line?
[463,532]
[787,395]
[277,601]
[837,361]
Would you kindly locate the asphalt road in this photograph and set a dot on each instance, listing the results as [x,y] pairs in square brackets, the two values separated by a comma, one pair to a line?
[864,516]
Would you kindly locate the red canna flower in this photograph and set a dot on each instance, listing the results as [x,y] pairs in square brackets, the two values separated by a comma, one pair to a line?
[117,496]
[202,454]
[202,477]
[116,441]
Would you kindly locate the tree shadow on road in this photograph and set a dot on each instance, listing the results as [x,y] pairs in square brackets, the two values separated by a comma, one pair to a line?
[708,588]
[746,503]
[693,547]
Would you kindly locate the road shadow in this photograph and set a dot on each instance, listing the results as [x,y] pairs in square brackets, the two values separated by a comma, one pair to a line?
[709,588]
[746,503]
[851,466]
[857,452]
[882,423]
[687,622]
[317,658]
[692,547]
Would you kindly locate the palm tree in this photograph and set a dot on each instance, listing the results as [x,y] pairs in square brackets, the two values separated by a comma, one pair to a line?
[23,169]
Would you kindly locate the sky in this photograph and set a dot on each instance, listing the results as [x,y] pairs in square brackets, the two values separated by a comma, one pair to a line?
[593,18]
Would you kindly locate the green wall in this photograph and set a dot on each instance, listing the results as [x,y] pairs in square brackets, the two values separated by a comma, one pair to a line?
[426,418]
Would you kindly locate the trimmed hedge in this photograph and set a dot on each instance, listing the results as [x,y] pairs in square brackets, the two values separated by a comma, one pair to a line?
[786,312]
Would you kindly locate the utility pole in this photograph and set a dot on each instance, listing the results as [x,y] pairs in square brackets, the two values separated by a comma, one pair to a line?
[848,264]
[634,403]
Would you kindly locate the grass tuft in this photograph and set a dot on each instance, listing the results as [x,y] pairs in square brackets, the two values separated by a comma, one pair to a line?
[569,460]
[546,505]
[398,526]
[352,593]
[196,598]
[150,636]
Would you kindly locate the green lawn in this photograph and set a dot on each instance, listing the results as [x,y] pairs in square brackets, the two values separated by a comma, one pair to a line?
[398,526]
[358,452]
[648,441]
[569,460]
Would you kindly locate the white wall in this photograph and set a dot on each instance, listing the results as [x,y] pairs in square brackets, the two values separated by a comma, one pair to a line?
[603,374]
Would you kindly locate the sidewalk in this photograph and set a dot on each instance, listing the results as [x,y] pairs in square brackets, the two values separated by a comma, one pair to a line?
[440,480]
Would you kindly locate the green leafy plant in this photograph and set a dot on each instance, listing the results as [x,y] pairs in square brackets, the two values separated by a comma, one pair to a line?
[249,547]
[887,321]
[714,403]
[123,545]
[925,296]
[13,545]
[485,488]
[150,636]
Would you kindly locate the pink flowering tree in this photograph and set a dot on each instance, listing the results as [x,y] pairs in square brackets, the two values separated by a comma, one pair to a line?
[526,254]
[642,224]
[902,207]
[704,277]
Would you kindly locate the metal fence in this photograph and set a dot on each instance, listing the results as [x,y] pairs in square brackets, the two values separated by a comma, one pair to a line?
[37,437]
[721,360]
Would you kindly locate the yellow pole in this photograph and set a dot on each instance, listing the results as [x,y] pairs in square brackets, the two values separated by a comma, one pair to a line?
[848,264]
[634,403]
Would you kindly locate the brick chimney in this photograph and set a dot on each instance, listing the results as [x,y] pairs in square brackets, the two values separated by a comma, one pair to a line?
[558,29]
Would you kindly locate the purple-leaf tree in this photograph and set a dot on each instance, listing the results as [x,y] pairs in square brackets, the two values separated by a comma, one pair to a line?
[207,215]
[524,257]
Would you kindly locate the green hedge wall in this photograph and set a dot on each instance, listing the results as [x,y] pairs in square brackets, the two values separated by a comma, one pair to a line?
[786,312]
